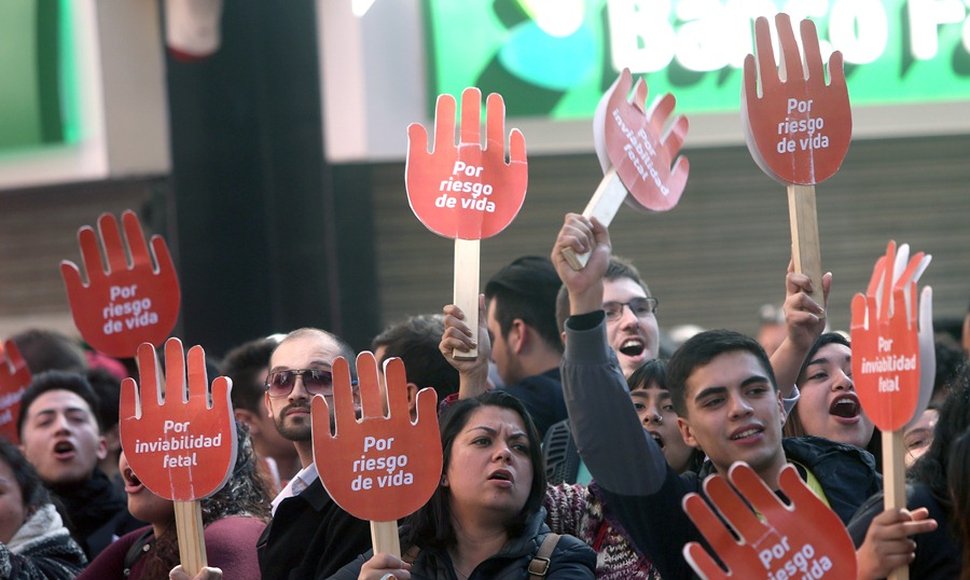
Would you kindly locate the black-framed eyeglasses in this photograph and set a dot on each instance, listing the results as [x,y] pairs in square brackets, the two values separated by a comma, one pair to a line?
[316,382]
[640,306]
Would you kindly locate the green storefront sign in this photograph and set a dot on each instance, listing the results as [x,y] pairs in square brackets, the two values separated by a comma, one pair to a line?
[555,58]
[38,104]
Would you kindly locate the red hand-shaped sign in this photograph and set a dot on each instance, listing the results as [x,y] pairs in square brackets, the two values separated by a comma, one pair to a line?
[797,128]
[379,468]
[803,540]
[640,148]
[181,446]
[14,379]
[124,303]
[466,192]
[885,345]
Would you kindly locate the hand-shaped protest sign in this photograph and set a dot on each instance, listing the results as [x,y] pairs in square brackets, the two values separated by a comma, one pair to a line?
[642,145]
[803,539]
[886,346]
[125,302]
[797,127]
[637,148]
[14,379]
[466,192]
[383,466]
[179,439]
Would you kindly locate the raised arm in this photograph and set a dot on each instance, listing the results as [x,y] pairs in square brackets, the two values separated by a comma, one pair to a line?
[805,320]
[472,374]
[619,453]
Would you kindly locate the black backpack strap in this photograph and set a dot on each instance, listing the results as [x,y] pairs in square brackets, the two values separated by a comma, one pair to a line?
[137,549]
[539,566]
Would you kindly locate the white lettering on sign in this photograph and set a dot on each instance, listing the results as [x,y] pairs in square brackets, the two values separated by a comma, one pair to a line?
[888,365]
[126,311]
[708,35]
[926,16]
[783,563]
[641,152]
[172,442]
[465,179]
[384,470]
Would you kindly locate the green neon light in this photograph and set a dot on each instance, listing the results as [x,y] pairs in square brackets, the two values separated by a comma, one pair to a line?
[39,104]
[70,85]
[499,47]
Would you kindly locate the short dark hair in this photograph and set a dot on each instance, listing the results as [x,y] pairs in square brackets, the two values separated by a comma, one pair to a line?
[32,490]
[526,290]
[617,269]
[652,371]
[432,524]
[58,381]
[108,389]
[701,349]
[415,341]
[243,365]
[45,350]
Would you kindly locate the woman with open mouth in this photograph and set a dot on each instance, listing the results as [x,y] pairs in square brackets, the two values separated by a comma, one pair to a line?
[233,518]
[829,406]
[485,519]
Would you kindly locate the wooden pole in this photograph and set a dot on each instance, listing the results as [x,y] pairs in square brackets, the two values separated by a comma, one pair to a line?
[806,253]
[604,204]
[467,273]
[188,524]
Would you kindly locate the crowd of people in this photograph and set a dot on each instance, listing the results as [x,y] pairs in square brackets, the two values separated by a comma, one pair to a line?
[569,443]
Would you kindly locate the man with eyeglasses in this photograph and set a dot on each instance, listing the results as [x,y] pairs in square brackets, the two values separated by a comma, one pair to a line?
[631,322]
[634,336]
[310,536]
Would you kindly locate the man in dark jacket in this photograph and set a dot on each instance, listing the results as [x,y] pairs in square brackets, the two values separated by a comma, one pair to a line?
[724,391]
[61,437]
[310,536]
[526,350]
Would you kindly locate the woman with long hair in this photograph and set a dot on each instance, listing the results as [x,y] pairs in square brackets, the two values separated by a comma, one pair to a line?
[485,519]
[233,518]
[958,474]
[828,405]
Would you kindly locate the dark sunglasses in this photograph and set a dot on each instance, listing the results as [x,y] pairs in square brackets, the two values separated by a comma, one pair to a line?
[315,381]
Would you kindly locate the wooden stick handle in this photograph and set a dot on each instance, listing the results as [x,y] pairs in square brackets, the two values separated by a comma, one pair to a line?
[894,481]
[806,252]
[467,272]
[603,206]
[188,525]
[385,539]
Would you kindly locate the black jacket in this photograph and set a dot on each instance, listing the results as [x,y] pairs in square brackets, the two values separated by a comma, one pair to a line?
[571,559]
[310,536]
[847,473]
[938,553]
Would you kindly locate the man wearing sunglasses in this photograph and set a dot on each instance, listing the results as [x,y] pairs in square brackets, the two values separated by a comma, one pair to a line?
[310,536]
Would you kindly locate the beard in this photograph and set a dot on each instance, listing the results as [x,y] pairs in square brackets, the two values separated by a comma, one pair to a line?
[295,430]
